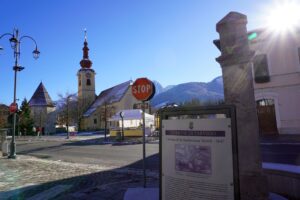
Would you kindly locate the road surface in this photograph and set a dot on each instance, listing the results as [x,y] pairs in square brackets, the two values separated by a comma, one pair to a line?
[131,155]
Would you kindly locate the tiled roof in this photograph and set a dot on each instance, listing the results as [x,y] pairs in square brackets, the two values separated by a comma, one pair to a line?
[109,96]
[41,97]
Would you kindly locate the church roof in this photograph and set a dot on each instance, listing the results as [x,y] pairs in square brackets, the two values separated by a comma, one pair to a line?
[108,96]
[41,97]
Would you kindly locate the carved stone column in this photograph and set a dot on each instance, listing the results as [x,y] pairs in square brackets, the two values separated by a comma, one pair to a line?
[236,62]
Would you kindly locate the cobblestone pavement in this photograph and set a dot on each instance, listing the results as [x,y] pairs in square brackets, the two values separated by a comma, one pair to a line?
[27,176]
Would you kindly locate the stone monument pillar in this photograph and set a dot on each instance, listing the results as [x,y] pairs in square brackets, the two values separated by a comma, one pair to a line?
[236,62]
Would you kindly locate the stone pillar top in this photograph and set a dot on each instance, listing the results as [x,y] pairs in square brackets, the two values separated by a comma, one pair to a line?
[234,44]
[230,20]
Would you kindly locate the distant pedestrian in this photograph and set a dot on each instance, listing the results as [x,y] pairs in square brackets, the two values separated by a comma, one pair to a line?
[38,131]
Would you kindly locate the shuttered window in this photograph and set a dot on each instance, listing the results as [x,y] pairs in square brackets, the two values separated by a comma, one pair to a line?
[261,70]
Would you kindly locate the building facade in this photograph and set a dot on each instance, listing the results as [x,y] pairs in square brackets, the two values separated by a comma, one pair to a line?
[276,72]
[276,69]
[42,110]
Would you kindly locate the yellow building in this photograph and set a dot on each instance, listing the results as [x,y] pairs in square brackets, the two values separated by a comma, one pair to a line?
[108,103]
[86,81]
[132,123]
[94,111]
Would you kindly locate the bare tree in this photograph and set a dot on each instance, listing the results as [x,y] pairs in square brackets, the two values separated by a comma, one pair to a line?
[106,112]
[67,110]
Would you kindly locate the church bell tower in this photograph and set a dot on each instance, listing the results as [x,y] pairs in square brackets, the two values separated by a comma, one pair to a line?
[86,80]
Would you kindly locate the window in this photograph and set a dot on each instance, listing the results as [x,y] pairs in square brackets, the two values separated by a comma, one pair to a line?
[261,71]
[79,82]
[88,81]
[95,121]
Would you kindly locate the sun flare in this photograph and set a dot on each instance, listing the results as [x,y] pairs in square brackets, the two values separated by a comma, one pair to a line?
[284,16]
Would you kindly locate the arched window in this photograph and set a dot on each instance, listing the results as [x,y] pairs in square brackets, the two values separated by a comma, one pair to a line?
[265,102]
[88,81]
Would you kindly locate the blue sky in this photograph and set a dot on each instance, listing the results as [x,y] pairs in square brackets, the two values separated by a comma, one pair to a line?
[165,40]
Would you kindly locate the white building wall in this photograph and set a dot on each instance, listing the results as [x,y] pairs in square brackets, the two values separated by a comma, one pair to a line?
[284,85]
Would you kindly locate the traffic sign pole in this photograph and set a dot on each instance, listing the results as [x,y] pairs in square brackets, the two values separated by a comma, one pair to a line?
[143,90]
[144,145]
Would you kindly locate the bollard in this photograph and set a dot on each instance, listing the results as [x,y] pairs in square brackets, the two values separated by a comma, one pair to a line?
[4,142]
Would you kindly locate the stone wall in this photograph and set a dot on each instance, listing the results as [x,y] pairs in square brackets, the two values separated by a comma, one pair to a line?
[44,116]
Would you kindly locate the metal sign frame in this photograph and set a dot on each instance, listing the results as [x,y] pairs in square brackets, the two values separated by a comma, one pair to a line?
[228,110]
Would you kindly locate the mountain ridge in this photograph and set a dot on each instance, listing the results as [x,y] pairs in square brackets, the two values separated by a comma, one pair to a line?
[185,92]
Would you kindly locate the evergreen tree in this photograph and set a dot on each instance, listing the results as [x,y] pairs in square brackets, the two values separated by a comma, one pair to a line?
[25,120]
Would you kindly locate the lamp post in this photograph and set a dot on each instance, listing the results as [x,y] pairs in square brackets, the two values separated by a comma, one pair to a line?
[15,42]
[122,118]
[68,133]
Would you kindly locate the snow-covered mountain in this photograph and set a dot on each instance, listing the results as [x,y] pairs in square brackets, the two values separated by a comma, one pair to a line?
[184,92]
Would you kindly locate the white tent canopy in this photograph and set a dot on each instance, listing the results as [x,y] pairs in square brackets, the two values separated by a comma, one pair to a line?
[130,115]
[132,118]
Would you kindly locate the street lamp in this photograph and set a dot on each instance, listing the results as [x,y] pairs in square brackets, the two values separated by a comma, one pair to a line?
[68,101]
[122,118]
[15,42]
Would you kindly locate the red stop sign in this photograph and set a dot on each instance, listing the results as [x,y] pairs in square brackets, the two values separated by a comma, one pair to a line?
[13,108]
[143,89]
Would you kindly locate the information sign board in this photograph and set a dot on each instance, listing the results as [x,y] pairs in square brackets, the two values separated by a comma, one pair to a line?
[198,155]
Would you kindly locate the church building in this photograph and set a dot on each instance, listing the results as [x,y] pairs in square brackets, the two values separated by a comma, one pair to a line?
[95,111]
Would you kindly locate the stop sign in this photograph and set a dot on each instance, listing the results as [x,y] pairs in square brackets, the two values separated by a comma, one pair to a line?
[13,108]
[143,89]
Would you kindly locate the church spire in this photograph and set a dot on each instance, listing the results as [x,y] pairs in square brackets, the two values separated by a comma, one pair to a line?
[85,62]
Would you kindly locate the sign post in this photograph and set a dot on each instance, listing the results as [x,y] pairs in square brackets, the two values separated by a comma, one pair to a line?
[122,130]
[13,107]
[144,146]
[143,90]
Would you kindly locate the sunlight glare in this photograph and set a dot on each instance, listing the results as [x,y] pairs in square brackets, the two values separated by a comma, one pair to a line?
[284,16]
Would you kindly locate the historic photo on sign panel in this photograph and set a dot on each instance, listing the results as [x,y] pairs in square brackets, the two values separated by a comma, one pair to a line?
[193,158]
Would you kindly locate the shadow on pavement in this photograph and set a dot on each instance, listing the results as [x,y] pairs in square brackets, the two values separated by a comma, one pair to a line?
[109,184]
[111,141]
[41,149]
[66,143]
